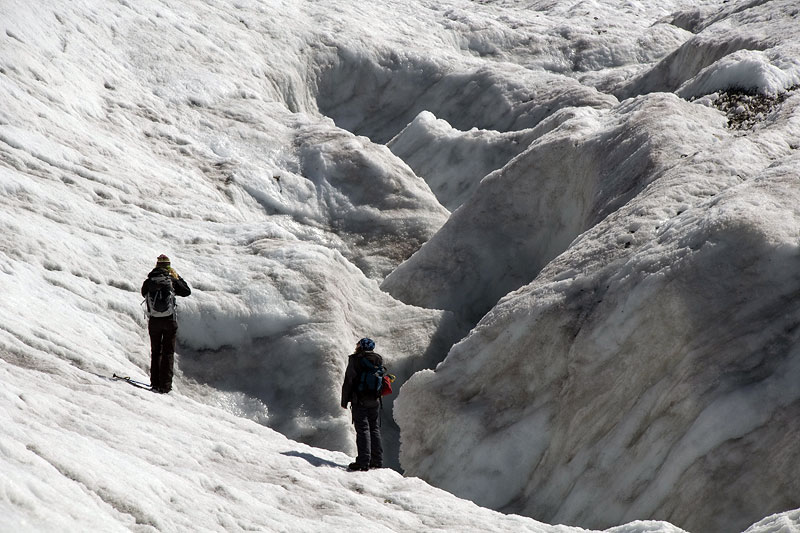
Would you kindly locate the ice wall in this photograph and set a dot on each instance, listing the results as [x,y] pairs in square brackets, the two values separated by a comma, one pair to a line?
[645,365]
[583,165]
[648,369]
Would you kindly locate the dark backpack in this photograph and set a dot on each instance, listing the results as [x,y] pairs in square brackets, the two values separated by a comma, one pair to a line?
[370,379]
[161,296]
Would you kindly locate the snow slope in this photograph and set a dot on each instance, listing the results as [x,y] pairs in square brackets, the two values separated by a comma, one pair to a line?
[81,453]
[263,211]
[245,140]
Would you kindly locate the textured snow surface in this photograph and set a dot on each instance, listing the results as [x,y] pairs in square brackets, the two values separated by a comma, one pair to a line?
[555,185]
[646,365]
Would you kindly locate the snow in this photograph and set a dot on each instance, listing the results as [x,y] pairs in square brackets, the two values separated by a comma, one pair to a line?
[580,170]
[749,70]
[741,45]
[453,162]
[581,275]
[87,453]
[645,364]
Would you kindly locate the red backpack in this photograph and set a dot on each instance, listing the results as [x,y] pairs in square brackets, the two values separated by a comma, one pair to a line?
[386,384]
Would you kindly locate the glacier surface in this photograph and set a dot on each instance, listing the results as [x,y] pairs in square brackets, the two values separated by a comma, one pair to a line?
[581,215]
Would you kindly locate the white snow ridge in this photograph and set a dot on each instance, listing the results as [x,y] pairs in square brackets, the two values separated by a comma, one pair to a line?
[572,228]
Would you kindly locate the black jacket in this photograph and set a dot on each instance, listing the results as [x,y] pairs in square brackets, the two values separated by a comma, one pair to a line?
[350,392]
[180,286]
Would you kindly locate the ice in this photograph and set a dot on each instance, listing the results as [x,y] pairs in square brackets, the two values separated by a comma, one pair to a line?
[528,212]
[647,345]
[573,248]
[453,162]
[744,46]
[747,70]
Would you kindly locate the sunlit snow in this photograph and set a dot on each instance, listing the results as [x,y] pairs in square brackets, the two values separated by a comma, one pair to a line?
[548,200]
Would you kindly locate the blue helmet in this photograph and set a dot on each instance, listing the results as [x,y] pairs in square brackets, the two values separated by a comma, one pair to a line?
[366,344]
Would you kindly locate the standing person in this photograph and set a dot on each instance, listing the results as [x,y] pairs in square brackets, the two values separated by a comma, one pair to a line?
[159,290]
[365,404]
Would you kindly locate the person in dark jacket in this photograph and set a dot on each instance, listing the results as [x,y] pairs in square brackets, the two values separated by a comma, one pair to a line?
[163,322]
[365,406]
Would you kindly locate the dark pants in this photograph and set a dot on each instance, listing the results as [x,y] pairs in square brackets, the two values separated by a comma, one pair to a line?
[368,435]
[163,333]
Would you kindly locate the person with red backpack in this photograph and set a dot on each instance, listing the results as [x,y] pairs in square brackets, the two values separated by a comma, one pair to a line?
[363,381]
[159,291]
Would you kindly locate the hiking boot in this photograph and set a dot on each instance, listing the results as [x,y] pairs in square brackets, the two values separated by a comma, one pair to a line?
[355,467]
[375,466]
